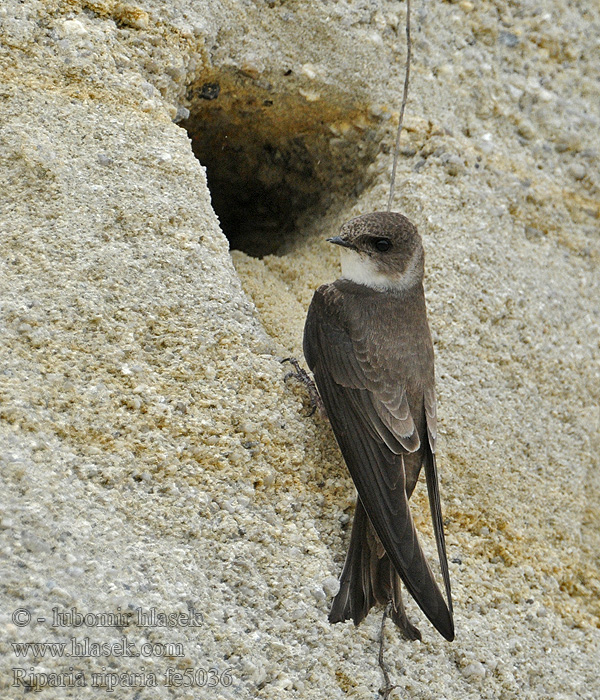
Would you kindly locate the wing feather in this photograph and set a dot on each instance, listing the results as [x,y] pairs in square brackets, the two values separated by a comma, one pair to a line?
[371,419]
[384,499]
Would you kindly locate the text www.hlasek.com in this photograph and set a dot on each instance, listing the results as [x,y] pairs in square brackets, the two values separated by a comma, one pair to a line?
[87,648]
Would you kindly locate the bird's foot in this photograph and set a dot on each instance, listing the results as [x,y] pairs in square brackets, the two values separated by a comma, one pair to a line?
[302,376]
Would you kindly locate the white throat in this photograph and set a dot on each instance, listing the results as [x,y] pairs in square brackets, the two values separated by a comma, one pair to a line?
[360,268]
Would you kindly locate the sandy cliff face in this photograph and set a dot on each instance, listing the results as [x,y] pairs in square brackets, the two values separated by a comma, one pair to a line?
[153,456]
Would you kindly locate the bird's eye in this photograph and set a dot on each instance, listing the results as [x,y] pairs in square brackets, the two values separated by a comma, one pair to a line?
[382,244]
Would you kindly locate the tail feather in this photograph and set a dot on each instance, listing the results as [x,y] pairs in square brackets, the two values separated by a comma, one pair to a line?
[369,579]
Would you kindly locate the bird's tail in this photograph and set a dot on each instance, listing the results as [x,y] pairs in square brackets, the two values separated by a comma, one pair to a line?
[369,579]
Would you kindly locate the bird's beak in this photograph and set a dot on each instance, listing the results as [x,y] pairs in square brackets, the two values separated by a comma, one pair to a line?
[338,240]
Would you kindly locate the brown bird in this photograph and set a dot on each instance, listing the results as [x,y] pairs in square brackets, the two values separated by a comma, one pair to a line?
[368,344]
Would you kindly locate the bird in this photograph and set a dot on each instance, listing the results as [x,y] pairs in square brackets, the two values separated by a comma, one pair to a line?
[368,345]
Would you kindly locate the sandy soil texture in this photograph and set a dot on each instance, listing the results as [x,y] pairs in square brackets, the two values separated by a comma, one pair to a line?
[170,512]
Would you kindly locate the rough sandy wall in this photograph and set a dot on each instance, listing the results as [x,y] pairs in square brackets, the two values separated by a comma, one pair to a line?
[153,456]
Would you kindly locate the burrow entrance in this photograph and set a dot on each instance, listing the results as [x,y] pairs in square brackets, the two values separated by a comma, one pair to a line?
[275,156]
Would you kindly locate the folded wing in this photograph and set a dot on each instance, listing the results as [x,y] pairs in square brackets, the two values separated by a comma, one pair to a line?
[374,428]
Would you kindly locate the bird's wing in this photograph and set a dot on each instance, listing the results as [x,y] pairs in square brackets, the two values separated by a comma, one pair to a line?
[374,429]
[433,489]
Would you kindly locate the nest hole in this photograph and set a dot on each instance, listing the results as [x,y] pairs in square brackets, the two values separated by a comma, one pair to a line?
[274,157]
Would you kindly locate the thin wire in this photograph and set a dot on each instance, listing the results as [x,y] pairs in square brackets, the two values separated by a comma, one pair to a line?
[387,684]
[404,98]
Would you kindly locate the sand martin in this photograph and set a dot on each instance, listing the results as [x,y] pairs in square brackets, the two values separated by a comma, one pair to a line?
[368,344]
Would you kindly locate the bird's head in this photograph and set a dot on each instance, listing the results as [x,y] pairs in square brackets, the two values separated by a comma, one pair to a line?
[381,250]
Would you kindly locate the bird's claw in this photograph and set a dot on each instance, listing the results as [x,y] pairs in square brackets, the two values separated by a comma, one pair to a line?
[302,376]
